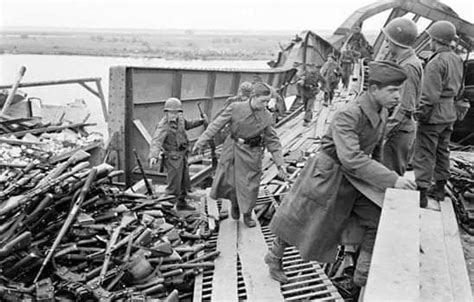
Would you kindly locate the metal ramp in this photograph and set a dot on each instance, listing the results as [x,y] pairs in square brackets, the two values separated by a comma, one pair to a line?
[307,280]
[241,275]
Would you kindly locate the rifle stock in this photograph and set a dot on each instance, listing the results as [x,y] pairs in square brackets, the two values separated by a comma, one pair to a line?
[70,218]
[212,144]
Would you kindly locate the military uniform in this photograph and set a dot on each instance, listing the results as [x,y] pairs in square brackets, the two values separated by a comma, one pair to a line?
[330,72]
[436,116]
[342,181]
[347,66]
[308,88]
[240,166]
[173,140]
[401,125]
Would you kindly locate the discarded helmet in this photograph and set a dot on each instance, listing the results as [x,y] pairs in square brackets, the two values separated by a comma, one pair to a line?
[442,31]
[246,89]
[401,32]
[173,104]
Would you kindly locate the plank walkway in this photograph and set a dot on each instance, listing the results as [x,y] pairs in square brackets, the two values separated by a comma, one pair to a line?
[425,260]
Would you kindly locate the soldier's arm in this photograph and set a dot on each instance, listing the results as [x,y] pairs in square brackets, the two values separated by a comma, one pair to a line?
[409,94]
[273,144]
[190,124]
[217,124]
[432,84]
[351,156]
[158,138]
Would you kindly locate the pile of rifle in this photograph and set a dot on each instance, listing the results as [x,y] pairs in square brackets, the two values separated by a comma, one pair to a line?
[461,191]
[69,232]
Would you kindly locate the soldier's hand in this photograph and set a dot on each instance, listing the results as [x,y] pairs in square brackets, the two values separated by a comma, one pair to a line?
[197,148]
[405,184]
[205,119]
[153,161]
[282,173]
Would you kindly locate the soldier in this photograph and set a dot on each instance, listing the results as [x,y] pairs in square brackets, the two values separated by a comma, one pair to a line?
[240,166]
[437,113]
[401,33]
[308,88]
[343,180]
[347,67]
[171,141]
[330,72]
[244,93]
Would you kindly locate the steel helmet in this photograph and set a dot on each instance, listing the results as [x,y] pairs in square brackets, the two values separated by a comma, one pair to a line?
[173,104]
[246,89]
[401,32]
[442,31]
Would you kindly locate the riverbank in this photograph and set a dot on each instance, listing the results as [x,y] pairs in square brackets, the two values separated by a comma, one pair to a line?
[172,45]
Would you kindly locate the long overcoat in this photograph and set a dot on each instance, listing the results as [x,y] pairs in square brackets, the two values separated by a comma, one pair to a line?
[315,212]
[240,166]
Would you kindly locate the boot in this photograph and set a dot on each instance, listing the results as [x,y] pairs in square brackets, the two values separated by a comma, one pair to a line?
[275,267]
[235,212]
[182,205]
[248,220]
[437,191]
[423,197]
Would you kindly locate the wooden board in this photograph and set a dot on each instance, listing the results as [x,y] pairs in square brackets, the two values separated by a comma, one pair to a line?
[435,282]
[394,271]
[252,249]
[224,282]
[457,265]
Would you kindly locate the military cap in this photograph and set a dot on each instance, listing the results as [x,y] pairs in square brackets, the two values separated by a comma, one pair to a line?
[386,72]
[261,88]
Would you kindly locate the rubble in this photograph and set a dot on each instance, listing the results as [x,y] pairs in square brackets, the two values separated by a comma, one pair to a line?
[68,232]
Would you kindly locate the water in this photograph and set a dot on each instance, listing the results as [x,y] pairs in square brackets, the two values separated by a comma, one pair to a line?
[62,67]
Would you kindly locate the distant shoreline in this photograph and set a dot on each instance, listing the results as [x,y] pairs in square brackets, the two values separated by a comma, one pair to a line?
[166,46]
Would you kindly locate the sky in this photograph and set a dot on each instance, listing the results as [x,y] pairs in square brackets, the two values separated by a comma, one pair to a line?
[187,14]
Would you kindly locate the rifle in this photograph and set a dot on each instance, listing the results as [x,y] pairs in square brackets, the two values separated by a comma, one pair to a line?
[70,218]
[212,144]
[142,171]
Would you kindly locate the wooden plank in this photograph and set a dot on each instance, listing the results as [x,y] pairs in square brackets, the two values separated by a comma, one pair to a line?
[456,263]
[141,128]
[252,249]
[434,275]
[394,271]
[224,283]
[212,210]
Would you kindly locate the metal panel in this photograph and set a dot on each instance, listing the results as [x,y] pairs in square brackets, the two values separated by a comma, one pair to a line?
[223,84]
[150,86]
[193,84]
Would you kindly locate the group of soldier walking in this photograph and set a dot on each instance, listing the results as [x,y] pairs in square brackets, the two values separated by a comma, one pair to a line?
[406,113]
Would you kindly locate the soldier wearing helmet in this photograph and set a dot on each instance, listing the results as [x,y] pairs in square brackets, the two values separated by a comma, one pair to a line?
[400,34]
[170,147]
[436,112]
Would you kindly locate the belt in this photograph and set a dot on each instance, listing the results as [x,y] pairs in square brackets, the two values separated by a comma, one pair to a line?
[407,114]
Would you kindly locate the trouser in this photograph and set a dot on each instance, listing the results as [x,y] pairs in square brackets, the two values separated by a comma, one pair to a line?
[178,180]
[368,214]
[308,108]
[432,153]
[278,247]
[396,151]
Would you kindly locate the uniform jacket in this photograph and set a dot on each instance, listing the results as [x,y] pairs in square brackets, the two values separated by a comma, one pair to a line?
[442,80]
[240,166]
[318,206]
[171,139]
[330,72]
[402,119]
[308,86]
